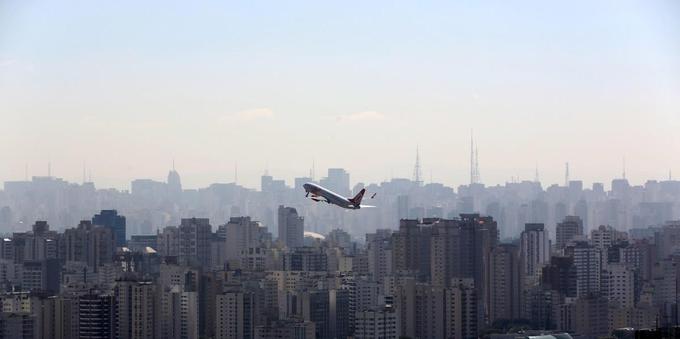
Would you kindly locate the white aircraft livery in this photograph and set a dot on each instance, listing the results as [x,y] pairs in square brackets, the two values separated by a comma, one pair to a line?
[323,194]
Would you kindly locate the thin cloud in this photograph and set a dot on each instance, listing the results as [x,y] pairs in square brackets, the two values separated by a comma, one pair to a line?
[362,116]
[249,115]
[17,65]
[7,62]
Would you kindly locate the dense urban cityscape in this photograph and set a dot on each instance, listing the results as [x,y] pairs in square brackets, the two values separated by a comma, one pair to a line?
[225,261]
[311,169]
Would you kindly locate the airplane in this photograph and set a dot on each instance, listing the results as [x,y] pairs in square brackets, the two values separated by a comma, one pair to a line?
[323,194]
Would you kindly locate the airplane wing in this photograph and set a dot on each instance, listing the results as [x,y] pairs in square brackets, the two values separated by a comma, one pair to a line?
[367,206]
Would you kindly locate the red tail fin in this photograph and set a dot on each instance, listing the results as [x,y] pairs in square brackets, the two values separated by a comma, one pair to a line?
[357,198]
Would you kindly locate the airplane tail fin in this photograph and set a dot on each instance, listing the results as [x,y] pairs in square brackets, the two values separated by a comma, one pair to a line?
[357,198]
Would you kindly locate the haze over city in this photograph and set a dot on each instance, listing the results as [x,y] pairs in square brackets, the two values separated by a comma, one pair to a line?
[124,88]
[340,170]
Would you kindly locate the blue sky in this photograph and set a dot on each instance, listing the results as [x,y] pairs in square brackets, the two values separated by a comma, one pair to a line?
[127,86]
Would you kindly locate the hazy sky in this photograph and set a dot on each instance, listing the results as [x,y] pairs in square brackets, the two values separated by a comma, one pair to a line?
[126,86]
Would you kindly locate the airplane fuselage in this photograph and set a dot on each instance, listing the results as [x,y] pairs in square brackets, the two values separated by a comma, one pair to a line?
[329,196]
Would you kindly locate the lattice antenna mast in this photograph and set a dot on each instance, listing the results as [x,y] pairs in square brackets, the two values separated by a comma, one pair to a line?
[624,168]
[566,174]
[478,178]
[537,178]
[472,157]
[417,174]
[474,160]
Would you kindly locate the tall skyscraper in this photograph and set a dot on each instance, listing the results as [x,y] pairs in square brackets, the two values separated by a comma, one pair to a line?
[421,310]
[462,310]
[194,241]
[168,241]
[89,244]
[619,284]
[174,184]
[504,280]
[111,219]
[17,325]
[379,252]
[535,251]
[570,228]
[235,317]
[588,263]
[337,181]
[291,227]
[95,316]
[135,309]
[177,311]
[411,249]
[242,233]
[376,323]
[479,235]
[604,236]
[560,276]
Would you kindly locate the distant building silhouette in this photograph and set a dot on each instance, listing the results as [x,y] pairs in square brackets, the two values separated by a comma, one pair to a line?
[291,227]
[337,181]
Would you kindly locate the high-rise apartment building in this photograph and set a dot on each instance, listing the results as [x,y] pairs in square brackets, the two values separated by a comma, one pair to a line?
[135,309]
[376,323]
[96,316]
[194,241]
[504,280]
[116,223]
[291,227]
[235,315]
[242,233]
[588,264]
[90,244]
[337,181]
[535,251]
[570,228]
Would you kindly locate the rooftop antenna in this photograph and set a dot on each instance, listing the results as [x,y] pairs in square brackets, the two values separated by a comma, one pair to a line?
[477,176]
[536,177]
[173,164]
[416,169]
[624,168]
[89,175]
[312,170]
[474,160]
[472,156]
[83,172]
[566,174]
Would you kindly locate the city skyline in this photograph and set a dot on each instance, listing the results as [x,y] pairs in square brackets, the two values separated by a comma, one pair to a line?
[236,176]
[280,85]
[339,170]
